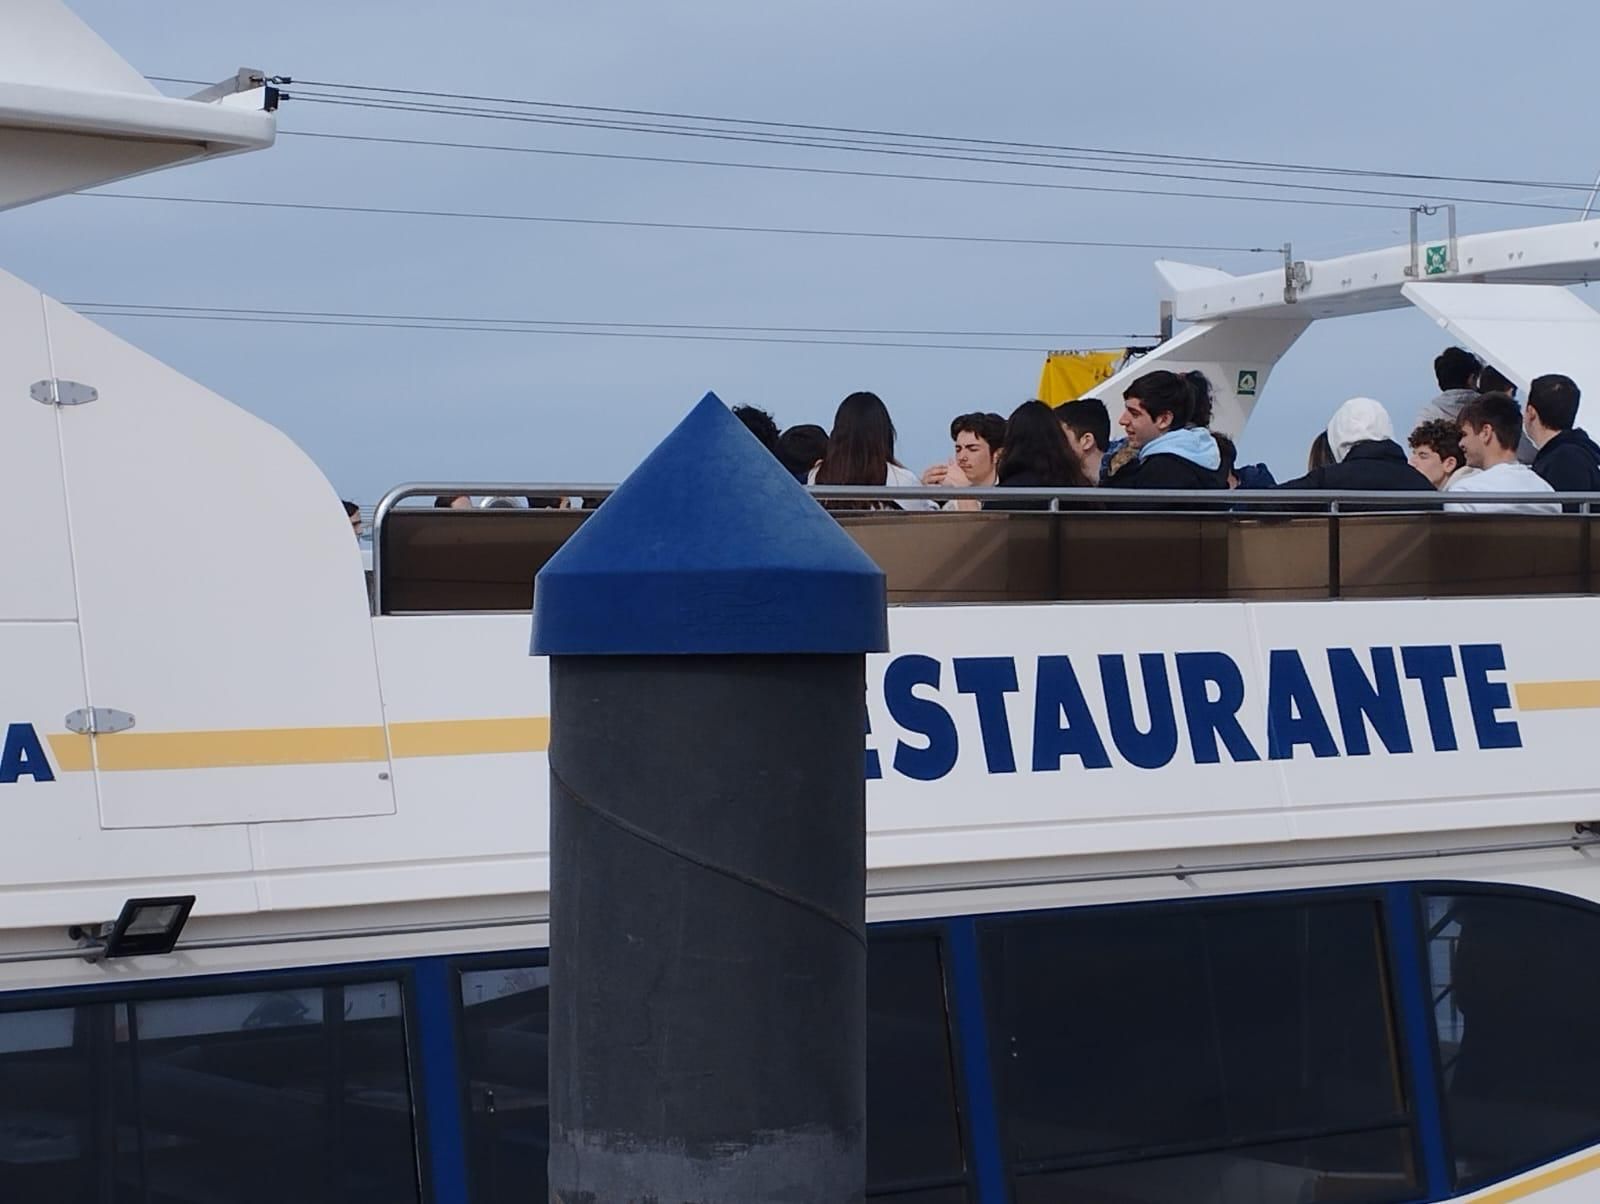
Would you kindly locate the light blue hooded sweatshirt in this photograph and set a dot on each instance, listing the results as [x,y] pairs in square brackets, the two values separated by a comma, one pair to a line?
[1192,443]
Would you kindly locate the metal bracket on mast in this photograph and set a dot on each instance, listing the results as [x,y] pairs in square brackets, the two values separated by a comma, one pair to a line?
[1296,275]
[1437,259]
[246,79]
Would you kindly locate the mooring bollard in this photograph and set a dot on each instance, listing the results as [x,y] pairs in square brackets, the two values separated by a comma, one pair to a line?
[707,630]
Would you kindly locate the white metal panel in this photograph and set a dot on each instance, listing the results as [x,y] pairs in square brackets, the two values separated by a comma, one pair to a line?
[37,581]
[38,163]
[1525,330]
[219,589]
[57,867]
[1237,357]
[972,814]
[1548,779]
[46,43]
[1371,281]
[473,825]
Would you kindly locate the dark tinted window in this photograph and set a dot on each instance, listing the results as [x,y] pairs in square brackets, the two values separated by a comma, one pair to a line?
[1516,985]
[53,1111]
[505,1023]
[296,1094]
[1205,1053]
[914,1151]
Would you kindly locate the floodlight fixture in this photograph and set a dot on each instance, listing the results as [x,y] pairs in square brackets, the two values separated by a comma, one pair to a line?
[145,927]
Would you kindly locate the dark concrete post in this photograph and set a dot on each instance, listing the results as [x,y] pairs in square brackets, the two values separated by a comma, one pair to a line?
[707,630]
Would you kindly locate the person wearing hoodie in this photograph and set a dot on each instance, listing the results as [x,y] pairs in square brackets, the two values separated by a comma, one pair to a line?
[1365,455]
[1456,369]
[1170,450]
[1567,457]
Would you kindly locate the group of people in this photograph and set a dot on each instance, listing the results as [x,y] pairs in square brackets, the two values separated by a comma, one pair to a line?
[1473,438]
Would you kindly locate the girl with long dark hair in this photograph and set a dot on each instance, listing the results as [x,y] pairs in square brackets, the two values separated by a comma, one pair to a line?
[861,452]
[1037,455]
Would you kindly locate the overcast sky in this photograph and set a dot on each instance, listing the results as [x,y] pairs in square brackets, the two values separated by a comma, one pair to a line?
[1461,88]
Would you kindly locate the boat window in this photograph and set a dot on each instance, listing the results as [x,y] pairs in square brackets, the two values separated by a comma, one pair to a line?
[1516,993]
[295,1094]
[505,1022]
[1202,1054]
[52,1107]
[914,1151]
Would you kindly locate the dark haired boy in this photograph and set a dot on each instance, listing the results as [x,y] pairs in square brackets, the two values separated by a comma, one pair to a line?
[1491,428]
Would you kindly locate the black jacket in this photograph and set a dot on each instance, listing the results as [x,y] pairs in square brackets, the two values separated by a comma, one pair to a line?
[1163,470]
[1373,464]
[1035,480]
[1570,462]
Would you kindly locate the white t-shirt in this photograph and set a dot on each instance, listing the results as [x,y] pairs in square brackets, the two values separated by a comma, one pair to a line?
[896,476]
[1504,478]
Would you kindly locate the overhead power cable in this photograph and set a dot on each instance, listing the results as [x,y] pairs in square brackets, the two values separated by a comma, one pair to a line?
[856,173]
[708,332]
[1010,144]
[1017,154]
[319,207]
[945,155]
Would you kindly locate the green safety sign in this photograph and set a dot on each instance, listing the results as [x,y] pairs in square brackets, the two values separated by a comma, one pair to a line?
[1247,383]
[1437,262]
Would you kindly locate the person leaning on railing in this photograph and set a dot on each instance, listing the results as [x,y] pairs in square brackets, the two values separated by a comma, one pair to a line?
[1436,453]
[1365,454]
[1567,458]
[1165,416]
[861,452]
[1036,456]
[1491,430]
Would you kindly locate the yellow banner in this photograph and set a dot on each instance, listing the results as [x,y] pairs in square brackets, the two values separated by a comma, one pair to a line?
[1068,375]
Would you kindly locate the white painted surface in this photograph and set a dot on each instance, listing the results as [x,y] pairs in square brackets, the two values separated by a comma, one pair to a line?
[1227,352]
[34,547]
[74,115]
[1524,330]
[1371,281]
[46,44]
[477,823]
[218,584]
[57,866]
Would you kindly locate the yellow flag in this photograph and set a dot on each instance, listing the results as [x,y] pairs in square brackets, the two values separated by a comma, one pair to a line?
[1068,375]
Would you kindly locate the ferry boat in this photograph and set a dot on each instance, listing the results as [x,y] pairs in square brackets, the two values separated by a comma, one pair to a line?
[1214,857]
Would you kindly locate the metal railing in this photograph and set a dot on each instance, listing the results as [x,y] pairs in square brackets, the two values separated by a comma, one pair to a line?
[1085,504]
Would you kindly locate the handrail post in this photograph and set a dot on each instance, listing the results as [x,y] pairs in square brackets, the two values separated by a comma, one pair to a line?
[1585,550]
[1057,587]
[1334,586]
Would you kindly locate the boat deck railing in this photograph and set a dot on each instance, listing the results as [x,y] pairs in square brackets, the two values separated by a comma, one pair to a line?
[1086,545]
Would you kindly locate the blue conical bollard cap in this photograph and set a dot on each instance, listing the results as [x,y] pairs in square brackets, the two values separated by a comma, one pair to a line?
[709,547]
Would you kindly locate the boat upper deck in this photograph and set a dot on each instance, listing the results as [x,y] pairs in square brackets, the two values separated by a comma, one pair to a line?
[1152,547]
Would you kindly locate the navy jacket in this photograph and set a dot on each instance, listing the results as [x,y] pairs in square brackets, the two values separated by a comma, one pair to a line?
[1570,462]
[1376,464]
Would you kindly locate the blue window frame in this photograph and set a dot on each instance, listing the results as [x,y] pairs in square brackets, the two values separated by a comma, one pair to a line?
[504,1058]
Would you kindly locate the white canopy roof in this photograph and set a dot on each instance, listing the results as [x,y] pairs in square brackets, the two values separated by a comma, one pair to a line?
[74,114]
